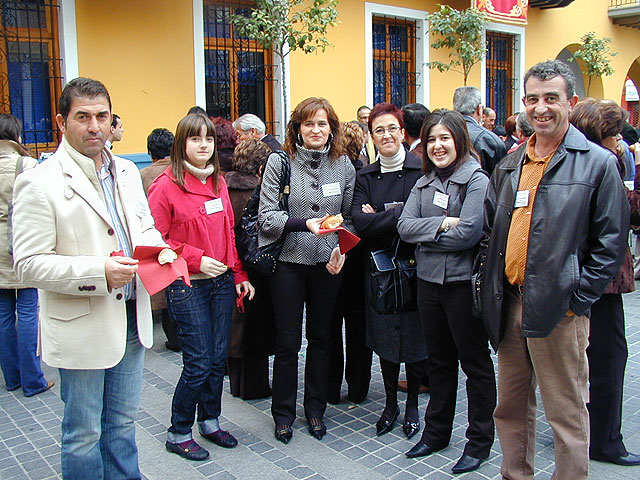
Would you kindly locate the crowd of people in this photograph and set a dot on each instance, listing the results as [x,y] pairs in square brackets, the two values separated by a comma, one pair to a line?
[462,246]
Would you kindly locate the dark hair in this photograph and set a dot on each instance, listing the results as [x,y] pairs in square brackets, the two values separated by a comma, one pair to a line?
[630,133]
[414,115]
[197,109]
[352,140]
[305,110]
[11,129]
[384,109]
[249,155]
[114,120]
[598,119]
[550,69]
[190,126]
[361,107]
[159,143]
[78,88]
[500,131]
[456,124]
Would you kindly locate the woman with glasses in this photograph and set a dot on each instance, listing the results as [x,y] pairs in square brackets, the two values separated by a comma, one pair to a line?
[381,190]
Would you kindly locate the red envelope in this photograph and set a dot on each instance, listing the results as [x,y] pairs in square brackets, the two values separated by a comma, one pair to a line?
[346,239]
[156,277]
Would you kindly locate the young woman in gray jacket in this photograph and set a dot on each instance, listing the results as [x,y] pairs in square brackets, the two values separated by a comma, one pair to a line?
[443,216]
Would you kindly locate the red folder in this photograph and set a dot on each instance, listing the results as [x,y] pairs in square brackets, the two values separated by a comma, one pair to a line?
[346,239]
[154,276]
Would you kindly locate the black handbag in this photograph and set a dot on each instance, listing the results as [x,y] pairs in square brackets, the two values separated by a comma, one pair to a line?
[262,259]
[393,280]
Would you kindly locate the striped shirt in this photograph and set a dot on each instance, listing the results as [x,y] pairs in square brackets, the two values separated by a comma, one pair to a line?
[105,175]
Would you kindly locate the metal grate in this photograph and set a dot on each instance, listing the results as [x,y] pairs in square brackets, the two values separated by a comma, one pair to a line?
[500,82]
[394,60]
[238,71]
[30,78]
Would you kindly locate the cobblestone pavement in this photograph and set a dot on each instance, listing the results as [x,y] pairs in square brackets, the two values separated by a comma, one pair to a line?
[30,433]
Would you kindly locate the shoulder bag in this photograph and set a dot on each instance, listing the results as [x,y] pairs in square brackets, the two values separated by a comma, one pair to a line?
[262,259]
[393,280]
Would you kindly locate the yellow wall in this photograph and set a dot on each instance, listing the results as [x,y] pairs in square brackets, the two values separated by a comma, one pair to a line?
[549,31]
[142,50]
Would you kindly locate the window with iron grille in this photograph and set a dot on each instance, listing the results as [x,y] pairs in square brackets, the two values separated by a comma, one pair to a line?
[394,60]
[238,71]
[499,69]
[30,77]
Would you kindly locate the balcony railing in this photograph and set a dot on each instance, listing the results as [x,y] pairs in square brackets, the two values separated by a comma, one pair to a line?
[625,13]
[544,4]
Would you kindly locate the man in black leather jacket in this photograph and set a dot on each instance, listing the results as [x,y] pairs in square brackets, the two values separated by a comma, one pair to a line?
[489,147]
[553,239]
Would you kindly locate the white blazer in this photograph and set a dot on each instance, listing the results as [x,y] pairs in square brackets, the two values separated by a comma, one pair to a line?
[63,235]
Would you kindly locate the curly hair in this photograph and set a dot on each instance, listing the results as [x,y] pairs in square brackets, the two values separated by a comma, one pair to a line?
[352,140]
[249,155]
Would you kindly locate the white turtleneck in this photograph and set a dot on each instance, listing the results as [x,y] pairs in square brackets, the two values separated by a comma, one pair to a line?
[392,164]
[200,173]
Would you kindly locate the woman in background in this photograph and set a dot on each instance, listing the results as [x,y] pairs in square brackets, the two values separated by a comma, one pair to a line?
[602,121]
[18,342]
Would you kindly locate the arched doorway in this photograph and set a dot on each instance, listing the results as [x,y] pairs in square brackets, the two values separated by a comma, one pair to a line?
[629,100]
[564,56]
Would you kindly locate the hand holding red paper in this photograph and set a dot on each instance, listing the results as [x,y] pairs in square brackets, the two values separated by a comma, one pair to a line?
[346,239]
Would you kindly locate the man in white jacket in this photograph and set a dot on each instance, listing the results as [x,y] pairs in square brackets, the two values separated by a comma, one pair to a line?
[70,213]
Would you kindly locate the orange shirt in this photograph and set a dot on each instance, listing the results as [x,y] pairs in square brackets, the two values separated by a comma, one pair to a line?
[518,238]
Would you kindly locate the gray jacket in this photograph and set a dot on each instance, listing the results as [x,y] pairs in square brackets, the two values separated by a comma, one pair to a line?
[318,187]
[444,257]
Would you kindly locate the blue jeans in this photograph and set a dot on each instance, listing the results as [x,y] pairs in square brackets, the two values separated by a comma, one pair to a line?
[18,345]
[100,408]
[202,316]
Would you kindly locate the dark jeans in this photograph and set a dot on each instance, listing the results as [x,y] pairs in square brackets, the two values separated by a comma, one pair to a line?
[202,316]
[607,355]
[452,335]
[291,287]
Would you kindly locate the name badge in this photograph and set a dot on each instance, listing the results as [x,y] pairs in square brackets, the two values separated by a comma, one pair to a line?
[441,200]
[213,206]
[522,199]
[630,184]
[331,189]
[392,205]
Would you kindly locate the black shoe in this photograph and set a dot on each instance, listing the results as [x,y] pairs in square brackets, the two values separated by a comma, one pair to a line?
[317,428]
[222,438]
[284,433]
[385,426]
[410,428]
[628,460]
[189,450]
[421,450]
[466,464]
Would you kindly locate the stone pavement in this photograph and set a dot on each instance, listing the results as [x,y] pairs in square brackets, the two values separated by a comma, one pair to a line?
[30,433]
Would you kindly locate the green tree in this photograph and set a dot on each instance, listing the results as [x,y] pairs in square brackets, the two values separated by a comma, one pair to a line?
[595,55]
[287,25]
[461,32]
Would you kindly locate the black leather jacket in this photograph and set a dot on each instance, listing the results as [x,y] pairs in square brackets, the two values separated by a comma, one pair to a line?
[576,241]
[487,144]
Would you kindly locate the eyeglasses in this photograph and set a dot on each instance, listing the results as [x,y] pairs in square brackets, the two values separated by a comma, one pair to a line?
[380,131]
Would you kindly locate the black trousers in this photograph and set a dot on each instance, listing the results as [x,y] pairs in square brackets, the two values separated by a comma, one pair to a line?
[607,355]
[452,335]
[291,287]
[357,370]
[249,376]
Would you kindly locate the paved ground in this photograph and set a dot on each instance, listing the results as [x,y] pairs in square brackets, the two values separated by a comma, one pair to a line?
[30,433]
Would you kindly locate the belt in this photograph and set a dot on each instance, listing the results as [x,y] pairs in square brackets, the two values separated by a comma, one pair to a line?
[515,289]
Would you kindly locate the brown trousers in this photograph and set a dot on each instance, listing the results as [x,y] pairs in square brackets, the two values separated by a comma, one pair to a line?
[558,363]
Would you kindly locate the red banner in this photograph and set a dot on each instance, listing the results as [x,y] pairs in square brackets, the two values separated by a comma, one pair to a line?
[508,11]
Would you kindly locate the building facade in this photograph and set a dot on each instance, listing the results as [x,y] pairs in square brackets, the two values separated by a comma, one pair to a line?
[160,57]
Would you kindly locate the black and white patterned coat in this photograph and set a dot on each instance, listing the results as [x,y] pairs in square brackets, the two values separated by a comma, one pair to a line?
[315,180]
